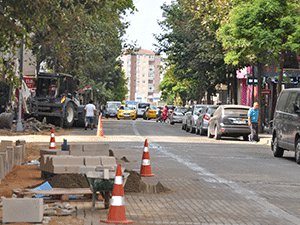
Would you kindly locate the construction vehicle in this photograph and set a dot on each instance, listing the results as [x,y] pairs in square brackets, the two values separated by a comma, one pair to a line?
[56,99]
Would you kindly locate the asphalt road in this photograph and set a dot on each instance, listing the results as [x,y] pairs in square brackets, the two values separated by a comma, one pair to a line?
[213,182]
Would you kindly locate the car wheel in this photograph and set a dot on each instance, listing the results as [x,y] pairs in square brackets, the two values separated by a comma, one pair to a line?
[187,129]
[201,132]
[245,138]
[217,135]
[171,122]
[69,116]
[193,130]
[277,151]
[183,126]
[209,135]
[297,152]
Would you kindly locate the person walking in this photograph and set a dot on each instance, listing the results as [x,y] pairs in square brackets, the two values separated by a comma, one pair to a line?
[90,111]
[253,115]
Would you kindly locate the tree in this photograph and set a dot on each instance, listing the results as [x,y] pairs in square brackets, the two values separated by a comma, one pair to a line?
[259,32]
[192,48]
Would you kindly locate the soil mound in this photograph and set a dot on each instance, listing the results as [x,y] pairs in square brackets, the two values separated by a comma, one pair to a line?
[68,181]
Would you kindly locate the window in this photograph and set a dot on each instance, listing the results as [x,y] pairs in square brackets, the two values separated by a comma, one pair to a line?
[282,102]
[290,103]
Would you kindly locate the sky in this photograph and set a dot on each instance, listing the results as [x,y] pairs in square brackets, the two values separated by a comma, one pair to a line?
[143,23]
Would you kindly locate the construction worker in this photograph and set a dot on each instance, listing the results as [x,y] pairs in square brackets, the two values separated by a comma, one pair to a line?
[90,111]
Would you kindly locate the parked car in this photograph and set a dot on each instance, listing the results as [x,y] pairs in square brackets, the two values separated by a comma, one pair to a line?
[203,119]
[286,124]
[150,113]
[111,108]
[141,108]
[177,114]
[229,120]
[190,118]
[125,112]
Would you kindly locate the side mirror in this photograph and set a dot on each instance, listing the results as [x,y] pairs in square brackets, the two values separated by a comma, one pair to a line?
[296,108]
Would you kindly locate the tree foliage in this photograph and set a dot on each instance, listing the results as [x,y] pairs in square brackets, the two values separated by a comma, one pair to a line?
[83,38]
[189,40]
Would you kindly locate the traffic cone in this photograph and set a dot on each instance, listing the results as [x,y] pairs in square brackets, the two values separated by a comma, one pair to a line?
[100,132]
[52,144]
[146,167]
[116,213]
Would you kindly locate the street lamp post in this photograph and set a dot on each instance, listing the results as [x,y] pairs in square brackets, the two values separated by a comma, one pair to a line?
[20,127]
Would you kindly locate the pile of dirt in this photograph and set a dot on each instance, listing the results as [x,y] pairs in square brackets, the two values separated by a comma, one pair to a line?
[133,183]
[136,184]
[68,181]
[38,126]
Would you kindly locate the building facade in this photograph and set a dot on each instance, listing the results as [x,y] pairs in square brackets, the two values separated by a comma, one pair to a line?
[143,72]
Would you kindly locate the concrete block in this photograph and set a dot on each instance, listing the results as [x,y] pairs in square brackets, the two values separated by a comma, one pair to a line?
[11,157]
[92,160]
[24,153]
[4,158]
[5,143]
[18,154]
[67,160]
[26,210]
[108,161]
[65,169]
[96,149]
[76,149]
[2,167]
[48,152]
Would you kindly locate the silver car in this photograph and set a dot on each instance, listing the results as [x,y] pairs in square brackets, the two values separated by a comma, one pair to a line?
[203,119]
[177,114]
[190,118]
[229,120]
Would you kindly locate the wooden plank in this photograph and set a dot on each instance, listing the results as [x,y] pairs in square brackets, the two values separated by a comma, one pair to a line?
[57,191]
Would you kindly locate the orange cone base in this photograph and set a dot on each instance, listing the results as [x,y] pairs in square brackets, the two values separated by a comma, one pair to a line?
[147,175]
[117,222]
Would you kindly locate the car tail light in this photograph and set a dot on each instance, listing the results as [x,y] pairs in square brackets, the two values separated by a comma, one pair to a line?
[206,117]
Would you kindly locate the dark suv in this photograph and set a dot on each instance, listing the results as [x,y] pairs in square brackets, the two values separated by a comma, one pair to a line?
[286,124]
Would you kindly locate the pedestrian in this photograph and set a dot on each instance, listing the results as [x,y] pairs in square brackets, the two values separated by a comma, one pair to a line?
[165,113]
[90,110]
[253,115]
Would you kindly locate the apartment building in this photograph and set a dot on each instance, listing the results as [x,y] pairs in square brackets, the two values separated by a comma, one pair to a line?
[142,69]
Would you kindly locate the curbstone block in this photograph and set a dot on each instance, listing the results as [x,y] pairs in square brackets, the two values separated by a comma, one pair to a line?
[5,143]
[97,149]
[18,157]
[4,158]
[76,149]
[92,161]
[11,157]
[108,161]
[26,210]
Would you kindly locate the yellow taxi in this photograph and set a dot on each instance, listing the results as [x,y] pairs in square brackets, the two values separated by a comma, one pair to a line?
[150,113]
[125,112]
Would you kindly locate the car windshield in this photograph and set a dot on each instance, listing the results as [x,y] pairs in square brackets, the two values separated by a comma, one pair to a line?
[152,108]
[126,108]
[211,110]
[143,105]
[236,111]
[198,109]
[181,110]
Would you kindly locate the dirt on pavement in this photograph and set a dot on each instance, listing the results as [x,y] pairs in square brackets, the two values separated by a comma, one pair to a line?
[68,181]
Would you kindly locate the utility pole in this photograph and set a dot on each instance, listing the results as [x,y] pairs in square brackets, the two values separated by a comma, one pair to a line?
[20,127]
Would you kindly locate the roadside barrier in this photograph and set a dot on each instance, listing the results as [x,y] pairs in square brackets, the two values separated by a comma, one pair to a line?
[100,132]
[52,144]
[116,213]
[146,170]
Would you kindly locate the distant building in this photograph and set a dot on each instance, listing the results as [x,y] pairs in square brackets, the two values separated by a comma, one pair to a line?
[142,70]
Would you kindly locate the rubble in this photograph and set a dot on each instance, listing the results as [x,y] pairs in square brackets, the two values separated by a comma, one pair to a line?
[36,125]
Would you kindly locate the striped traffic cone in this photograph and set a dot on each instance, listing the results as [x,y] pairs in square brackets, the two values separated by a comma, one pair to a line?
[116,213]
[100,132]
[52,144]
[146,167]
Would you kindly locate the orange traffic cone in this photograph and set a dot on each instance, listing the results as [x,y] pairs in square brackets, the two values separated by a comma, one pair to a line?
[100,132]
[116,213]
[146,167]
[52,144]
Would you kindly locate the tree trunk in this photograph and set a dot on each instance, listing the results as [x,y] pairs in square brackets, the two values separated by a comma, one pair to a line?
[234,88]
[259,97]
[280,78]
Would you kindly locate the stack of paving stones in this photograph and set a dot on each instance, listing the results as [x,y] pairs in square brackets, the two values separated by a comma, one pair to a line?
[11,154]
[80,159]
